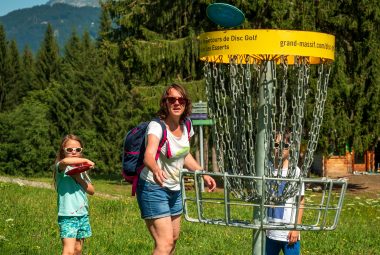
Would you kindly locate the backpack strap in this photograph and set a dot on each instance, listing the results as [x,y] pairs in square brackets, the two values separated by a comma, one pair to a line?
[163,138]
[162,142]
[188,125]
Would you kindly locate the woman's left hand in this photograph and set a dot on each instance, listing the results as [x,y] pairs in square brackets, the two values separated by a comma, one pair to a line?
[210,182]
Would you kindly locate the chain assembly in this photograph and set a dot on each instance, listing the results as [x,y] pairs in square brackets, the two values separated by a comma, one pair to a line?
[233,97]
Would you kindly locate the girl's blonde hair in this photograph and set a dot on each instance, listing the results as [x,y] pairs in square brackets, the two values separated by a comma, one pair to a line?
[61,152]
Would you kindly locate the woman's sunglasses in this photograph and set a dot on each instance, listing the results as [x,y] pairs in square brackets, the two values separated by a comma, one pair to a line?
[285,145]
[180,100]
[71,150]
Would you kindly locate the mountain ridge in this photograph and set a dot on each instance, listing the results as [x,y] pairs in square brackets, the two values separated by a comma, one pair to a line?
[76,3]
[28,26]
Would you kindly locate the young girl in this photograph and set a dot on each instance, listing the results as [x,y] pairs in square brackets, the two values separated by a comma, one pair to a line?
[72,200]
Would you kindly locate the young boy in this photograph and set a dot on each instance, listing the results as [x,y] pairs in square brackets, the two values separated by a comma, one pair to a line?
[285,240]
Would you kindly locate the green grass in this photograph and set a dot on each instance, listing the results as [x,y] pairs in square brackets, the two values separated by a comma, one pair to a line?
[28,226]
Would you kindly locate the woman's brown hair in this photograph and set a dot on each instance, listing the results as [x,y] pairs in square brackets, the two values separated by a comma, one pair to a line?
[163,111]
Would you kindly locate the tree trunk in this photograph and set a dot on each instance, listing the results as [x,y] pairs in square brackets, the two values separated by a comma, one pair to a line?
[196,144]
[205,149]
[215,167]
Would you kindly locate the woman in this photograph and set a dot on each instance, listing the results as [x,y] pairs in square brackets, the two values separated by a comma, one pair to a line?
[158,191]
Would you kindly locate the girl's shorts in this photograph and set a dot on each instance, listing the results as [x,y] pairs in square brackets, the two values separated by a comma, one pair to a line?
[157,202]
[74,226]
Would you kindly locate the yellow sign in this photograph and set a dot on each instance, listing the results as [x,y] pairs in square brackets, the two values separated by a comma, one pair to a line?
[263,44]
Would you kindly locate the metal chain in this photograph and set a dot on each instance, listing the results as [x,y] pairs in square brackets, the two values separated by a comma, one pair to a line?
[233,96]
[320,99]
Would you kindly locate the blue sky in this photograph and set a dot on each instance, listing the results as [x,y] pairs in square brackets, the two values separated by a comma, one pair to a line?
[7,6]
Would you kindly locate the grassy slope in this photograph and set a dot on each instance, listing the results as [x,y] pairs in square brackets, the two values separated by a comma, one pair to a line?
[28,226]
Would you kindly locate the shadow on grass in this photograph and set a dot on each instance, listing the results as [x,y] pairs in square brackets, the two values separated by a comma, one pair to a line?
[356,187]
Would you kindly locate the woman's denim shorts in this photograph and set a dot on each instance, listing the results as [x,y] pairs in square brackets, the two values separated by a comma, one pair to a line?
[156,201]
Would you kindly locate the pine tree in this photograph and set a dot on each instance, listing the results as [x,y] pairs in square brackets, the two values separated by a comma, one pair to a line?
[94,91]
[26,135]
[28,72]
[77,78]
[105,23]
[14,83]
[355,86]
[105,42]
[48,60]
[4,67]
[157,37]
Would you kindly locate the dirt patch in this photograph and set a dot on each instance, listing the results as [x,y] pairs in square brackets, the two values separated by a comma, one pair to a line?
[363,183]
[22,182]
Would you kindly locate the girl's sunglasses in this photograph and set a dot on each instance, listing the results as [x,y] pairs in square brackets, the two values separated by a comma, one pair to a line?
[285,145]
[180,100]
[71,150]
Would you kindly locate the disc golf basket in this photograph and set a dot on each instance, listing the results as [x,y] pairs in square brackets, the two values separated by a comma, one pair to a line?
[262,84]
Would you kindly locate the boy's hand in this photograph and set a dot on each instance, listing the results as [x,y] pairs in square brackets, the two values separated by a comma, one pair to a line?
[293,236]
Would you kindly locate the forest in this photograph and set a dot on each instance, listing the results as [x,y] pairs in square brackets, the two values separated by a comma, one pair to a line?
[99,89]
